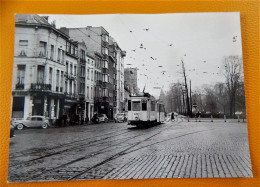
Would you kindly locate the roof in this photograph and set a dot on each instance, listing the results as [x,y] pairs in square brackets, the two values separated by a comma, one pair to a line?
[36,20]
[31,19]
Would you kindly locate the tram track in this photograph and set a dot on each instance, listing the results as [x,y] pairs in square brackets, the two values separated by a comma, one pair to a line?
[78,147]
[104,150]
[69,144]
[124,152]
[94,154]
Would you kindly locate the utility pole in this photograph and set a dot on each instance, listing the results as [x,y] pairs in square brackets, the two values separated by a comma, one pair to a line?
[186,88]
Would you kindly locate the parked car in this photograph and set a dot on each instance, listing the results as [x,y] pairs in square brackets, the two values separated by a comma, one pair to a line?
[12,127]
[120,117]
[102,118]
[32,121]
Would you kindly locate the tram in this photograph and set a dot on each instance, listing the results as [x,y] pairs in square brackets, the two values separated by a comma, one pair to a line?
[145,110]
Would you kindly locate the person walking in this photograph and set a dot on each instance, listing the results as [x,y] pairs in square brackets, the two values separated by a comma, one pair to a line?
[172,117]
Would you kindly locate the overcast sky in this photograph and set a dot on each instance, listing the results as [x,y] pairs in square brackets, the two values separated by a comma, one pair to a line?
[200,39]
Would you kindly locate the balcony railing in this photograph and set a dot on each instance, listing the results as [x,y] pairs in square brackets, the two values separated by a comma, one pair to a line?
[83,61]
[105,70]
[19,86]
[104,43]
[40,86]
[105,84]
[99,82]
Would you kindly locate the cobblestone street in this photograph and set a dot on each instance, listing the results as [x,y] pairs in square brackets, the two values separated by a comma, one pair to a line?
[118,151]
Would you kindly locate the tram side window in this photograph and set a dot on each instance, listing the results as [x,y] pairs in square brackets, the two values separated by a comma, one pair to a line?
[136,106]
[161,108]
[129,105]
[144,105]
[152,106]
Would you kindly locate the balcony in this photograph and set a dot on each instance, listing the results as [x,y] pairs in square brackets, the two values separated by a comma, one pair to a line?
[104,43]
[19,86]
[99,83]
[39,87]
[82,61]
[105,70]
[105,84]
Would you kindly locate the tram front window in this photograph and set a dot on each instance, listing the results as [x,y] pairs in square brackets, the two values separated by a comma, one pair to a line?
[129,105]
[144,105]
[136,106]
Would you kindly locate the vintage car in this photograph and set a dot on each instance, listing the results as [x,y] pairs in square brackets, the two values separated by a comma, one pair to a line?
[120,117]
[32,121]
[102,118]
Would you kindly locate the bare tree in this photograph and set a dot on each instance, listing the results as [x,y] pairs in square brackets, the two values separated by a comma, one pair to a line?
[233,71]
[220,91]
[186,91]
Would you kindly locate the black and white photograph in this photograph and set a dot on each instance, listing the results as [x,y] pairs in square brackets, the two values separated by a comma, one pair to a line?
[128,96]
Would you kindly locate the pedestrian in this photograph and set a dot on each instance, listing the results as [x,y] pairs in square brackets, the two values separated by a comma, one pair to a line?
[172,116]
[95,118]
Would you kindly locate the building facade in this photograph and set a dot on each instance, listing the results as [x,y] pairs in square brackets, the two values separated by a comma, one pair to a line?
[130,75]
[104,51]
[39,70]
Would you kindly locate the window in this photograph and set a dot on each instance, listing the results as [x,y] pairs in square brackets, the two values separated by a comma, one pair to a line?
[66,86]
[70,87]
[68,47]
[23,44]
[57,80]
[42,49]
[161,107]
[92,75]
[20,74]
[76,51]
[52,52]
[63,57]
[152,105]
[72,50]
[87,92]
[88,74]
[40,75]
[105,63]
[71,69]
[105,50]
[105,38]
[91,93]
[105,92]
[50,76]
[144,105]
[105,78]
[136,106]
[75,70]
[67,67]
[75,88]
[61,79]
[129,105]
[59,55]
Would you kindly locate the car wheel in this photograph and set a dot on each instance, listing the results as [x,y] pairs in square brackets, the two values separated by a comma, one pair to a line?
[44,125]
[106,120]
[19,126]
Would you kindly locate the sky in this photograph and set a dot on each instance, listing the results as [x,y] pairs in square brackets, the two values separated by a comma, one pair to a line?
[201,40]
